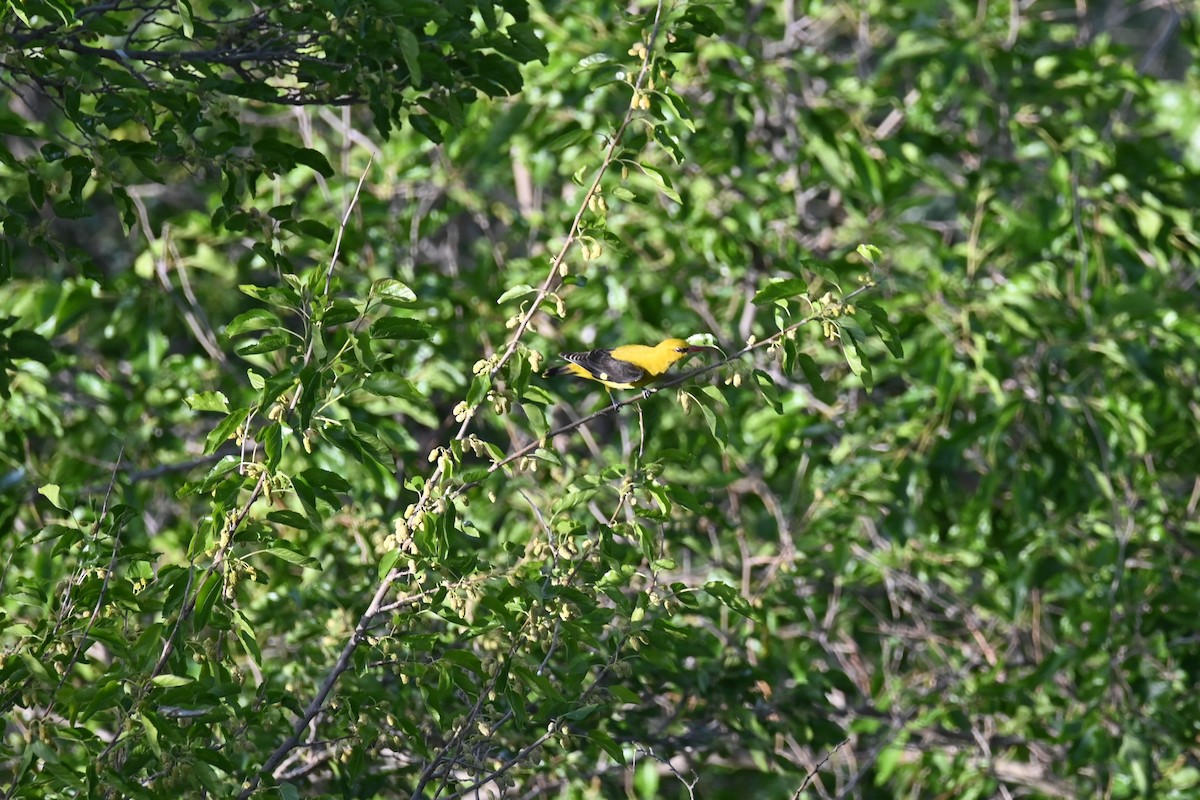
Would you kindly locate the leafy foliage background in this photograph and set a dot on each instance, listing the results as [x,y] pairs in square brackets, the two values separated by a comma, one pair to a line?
[281,512]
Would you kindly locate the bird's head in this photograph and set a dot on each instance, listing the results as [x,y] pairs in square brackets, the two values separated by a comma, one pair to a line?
[682,348]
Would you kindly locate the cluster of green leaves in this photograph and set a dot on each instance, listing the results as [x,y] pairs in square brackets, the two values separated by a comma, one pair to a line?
[106,96]
[283,509]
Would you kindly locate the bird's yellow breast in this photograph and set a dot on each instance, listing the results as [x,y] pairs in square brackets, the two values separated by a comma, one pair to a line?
[654,360]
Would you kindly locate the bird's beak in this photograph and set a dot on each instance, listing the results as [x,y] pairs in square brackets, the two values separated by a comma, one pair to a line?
[699,348]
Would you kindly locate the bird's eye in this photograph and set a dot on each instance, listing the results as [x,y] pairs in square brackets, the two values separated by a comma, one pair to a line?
[680,349]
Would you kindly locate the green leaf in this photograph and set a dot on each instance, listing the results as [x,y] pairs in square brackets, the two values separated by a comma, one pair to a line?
[310,228]
[225,429]
[520,290]
[424,125]
[267,344]
[591,62]
[465,659]
[390,384]
[224,472]
[364,449]
[151,734]
[680,107]
[537,419]
[184,8]
[279,156]
[287,552]
[888,333]
[716,422]
[624,694]
[664,138]
[660,180]
[783,289]
[52,152]
[27,344]
[704,19]
[607,744]
[35,667]
[487,12]
[317,162]
[37,191]
[252,320]
[825,272]
[290,518]
[339,312]
[869,253]
[730,597]
[171,681]
[400,328]
[11,127]
[206,598]
[570,137]
[393,293]
[816,381]
[529,46]
[411,51]
[856,359]
[53,493]
[326,479]
[622,193]
[580,714]
[387,562]
[208,401]
[271,438]
[768,389]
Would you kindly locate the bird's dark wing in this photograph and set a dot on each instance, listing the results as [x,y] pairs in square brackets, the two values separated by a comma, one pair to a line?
[603,366]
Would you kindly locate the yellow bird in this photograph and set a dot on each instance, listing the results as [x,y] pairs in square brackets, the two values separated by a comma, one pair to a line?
[631,366]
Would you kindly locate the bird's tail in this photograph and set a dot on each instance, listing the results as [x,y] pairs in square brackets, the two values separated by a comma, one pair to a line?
[554,372]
